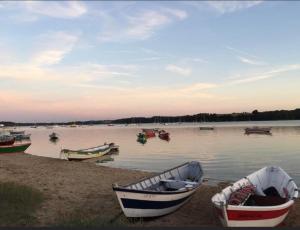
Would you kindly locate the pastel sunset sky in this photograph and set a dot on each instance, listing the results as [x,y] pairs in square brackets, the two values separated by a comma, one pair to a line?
[72,60]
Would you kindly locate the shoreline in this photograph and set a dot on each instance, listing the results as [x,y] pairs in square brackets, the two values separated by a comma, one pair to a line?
[72,186]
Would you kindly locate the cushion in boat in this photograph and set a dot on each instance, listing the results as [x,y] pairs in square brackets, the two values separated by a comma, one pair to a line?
[240,196]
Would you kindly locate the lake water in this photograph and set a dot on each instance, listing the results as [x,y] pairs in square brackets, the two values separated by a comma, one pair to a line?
[225,153]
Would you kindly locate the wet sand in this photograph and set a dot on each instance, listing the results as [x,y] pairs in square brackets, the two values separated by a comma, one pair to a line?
[84,186]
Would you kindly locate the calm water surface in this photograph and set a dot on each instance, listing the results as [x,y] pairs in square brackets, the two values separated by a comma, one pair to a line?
[225,153]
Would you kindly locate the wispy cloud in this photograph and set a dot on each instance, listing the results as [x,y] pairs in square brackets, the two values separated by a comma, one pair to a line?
[178,70]
[250,61]
[240,52]
[139,26]
[53,46]
[266,75]
[198,87]
[180,14]
[224,7]
[142,26]
[246,57]
[67,10]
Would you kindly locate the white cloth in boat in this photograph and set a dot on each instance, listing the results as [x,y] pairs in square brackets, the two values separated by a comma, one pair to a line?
[179,184]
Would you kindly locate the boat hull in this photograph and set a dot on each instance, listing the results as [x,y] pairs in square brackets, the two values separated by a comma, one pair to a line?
[143,204]
[14,148]
[8,142]
[74,156]
[265,206]
[253,217]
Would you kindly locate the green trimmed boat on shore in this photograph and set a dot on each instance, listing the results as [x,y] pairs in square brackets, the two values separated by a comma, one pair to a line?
[15,148]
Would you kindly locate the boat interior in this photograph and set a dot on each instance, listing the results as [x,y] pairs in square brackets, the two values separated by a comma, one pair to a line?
[267,187]
[184,177]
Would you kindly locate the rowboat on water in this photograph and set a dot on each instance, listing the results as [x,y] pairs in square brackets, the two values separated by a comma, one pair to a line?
[83,154]
[149,133]
[160,194]
[262,199]
[206,128]
[258,130]
[15,148]
[142,138]
[164,135]
[53,136]
[6,139]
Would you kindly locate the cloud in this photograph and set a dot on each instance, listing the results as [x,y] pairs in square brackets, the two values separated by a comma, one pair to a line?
[140,26]
[250,61]
[241,52]
[53,47]
[178,70]
[66,10]
[265,75]
[224,7]
[143,25]
[198,87]
[180,14]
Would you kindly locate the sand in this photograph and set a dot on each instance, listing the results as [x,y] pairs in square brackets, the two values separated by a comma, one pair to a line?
[84,186]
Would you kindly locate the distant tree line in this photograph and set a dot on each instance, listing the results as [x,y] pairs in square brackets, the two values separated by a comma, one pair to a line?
[200,117]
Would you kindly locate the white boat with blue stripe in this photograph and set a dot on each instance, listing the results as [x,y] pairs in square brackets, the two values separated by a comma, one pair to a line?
[160,194]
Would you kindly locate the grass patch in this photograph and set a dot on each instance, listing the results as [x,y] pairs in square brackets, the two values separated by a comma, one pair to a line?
[18,204]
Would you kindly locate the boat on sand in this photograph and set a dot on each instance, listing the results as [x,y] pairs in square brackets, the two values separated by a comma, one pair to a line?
[262,199]
[15,148]
[83,154]
[6,139]
[160,194]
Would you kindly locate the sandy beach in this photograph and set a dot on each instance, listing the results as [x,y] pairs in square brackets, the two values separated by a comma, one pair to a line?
[85,189]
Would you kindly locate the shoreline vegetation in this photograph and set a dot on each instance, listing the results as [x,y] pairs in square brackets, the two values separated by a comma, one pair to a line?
[55,192]
[255,115]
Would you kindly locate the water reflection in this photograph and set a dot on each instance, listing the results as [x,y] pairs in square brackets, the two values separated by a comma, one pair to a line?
[224,152]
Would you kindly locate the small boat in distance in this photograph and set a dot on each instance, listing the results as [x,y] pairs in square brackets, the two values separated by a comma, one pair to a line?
[262,199]
[15,148]
[53,136]
[160,194]
[142,138]
[83,154]
[206,128]
[258,130]
[149,133]
[164,135]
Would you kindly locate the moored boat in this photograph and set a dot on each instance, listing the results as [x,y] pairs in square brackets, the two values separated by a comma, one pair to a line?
[142,138]
[83,154]
[160,194]
[20,135]
[53,136]
[149,133]
[17,132]
[262,199]
[206,128]
[258,130]
[164,135]
[6,139]
[15,148]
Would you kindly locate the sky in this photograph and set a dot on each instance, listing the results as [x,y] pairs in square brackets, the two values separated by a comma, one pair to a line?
[92,60]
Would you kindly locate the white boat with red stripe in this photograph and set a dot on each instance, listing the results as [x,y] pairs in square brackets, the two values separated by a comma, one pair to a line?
[262,199]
